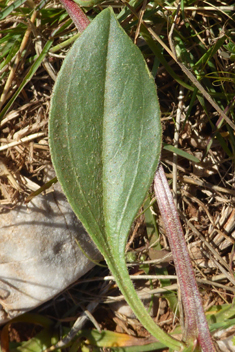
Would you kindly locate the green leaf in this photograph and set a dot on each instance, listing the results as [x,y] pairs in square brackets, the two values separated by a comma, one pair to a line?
[210,53]
[105,139]
[105,131]
[88,3]
[39,343]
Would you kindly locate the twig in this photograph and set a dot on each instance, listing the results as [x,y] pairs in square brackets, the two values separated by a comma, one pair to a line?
[22,140]
[221,260]
[204,184]
[142,11]
[159,290]
[176,142]
[38,48]
[203,8]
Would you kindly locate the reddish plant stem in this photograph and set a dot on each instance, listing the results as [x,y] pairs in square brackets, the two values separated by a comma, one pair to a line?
[77,15]
[195,320]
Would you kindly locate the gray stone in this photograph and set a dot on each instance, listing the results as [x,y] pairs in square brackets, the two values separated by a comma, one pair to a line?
[39,255]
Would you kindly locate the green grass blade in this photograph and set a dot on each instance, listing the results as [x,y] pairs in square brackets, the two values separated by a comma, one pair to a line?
[27,78]
[209,54]
[8,10]
[156,50]
[180,152]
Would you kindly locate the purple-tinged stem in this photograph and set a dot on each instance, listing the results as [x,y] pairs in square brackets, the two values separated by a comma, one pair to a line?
[195,321]
[77,15]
